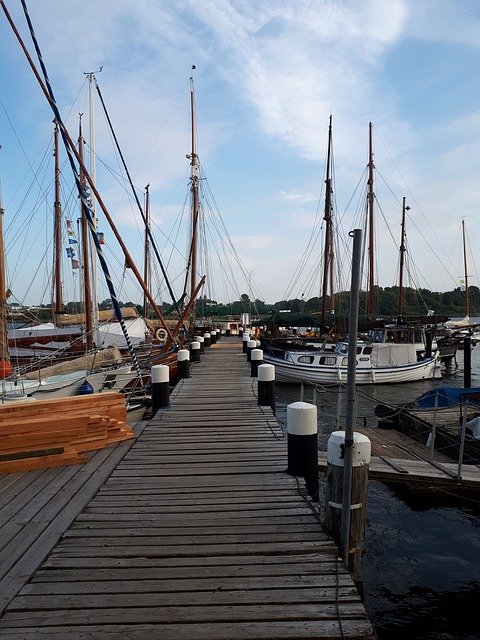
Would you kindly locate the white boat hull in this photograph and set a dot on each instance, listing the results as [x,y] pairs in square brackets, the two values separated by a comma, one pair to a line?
[290,368]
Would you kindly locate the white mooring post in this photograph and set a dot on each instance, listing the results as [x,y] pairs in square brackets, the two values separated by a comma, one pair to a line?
[183,363]
[201,341]
[266,386]
[256,359]
[160,376]
[213,336]
[207,340]
[361,452]
[195,352]
[302,444]
[245,339]
[251,344]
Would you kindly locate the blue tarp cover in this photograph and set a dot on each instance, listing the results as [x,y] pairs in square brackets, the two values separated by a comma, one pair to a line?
[447,397]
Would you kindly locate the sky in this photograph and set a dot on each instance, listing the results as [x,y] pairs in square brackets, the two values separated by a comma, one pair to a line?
[267,77]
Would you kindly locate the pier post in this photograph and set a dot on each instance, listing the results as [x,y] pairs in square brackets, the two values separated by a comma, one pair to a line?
[195,353]
[302,444]
[183,363]
[467,362]
[251,344]
[245,339]
[213,336]
[256,359]
[160,375]
[201,342]
[266,386]
[207,340]
[361,452]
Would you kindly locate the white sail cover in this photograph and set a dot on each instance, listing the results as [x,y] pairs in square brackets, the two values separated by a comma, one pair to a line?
[110,333]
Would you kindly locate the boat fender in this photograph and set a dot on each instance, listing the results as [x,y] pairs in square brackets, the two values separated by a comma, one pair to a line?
[85,388]
[160,334]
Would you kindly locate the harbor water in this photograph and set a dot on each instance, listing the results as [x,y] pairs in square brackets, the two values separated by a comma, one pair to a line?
[421,564]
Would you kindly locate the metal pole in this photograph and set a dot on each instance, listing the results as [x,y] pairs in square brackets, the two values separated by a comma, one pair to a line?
[462,443]
[350,408]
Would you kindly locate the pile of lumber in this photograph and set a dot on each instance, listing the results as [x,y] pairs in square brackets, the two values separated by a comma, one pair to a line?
[56,432]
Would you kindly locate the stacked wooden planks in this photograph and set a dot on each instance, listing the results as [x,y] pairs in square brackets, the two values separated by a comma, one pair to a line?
[58,431]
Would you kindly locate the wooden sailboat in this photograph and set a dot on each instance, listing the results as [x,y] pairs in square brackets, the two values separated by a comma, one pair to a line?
[379,361]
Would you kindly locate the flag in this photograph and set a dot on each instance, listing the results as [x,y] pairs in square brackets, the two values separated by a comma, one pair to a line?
[101,237]
[70,252]
[75,264]
[72,241]
[69,224]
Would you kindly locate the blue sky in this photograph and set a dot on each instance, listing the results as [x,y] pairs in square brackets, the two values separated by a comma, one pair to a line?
[268,75]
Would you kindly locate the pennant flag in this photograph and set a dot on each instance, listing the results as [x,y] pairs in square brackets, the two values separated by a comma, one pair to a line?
[75,264]
[70,252]
[69,224]
[72,241]
[101,238]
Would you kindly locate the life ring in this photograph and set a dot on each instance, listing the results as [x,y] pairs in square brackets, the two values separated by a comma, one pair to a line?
[160,335]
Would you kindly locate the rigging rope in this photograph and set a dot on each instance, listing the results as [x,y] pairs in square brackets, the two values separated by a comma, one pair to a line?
[81,190]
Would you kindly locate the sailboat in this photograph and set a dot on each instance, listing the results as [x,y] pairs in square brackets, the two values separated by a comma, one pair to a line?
[378,362]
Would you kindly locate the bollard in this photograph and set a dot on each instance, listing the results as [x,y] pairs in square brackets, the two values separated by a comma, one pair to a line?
[227,332]
[213,336]
[160,375]
[256,359]
[302,444]
[266,386]
[207,340]
[361,452]
[195,353]
[183,363]
[240,331]
[201,341]
[245,339]
[259,343]
[251,344]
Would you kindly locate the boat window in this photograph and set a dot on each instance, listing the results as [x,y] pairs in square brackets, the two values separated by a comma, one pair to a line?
[344,362]
[359,350]
[329,360]
[367,351]
[306,359]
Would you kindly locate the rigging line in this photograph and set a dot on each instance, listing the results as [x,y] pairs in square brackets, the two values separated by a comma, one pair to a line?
[73,153]
[90,216]
[140,208]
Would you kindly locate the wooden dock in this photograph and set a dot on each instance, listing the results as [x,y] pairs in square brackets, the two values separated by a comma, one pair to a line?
[198,533]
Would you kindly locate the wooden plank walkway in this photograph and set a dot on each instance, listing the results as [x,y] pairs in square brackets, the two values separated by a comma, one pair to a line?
[197,534]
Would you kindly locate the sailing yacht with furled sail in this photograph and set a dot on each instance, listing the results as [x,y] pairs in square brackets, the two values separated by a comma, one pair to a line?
[377,362]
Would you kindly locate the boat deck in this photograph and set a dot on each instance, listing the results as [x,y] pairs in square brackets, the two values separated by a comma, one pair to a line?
[195,532]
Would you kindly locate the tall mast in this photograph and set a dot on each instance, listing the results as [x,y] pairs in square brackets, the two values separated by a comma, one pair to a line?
[92,171]
[371,307]
[194,178]
[4,354]
[58,304]
[402,259]
[467,297]
[147,266]
[85,252]
[328,251]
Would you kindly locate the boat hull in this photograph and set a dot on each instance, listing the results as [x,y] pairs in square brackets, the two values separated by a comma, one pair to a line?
[336,375]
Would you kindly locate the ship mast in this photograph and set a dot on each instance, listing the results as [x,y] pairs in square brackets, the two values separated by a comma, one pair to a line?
[92,171]
[194,186]
[4,354]
[147,265]
[58,304]
[405,208]
[85,251]
[328,251]
[371,307]
[467,297]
